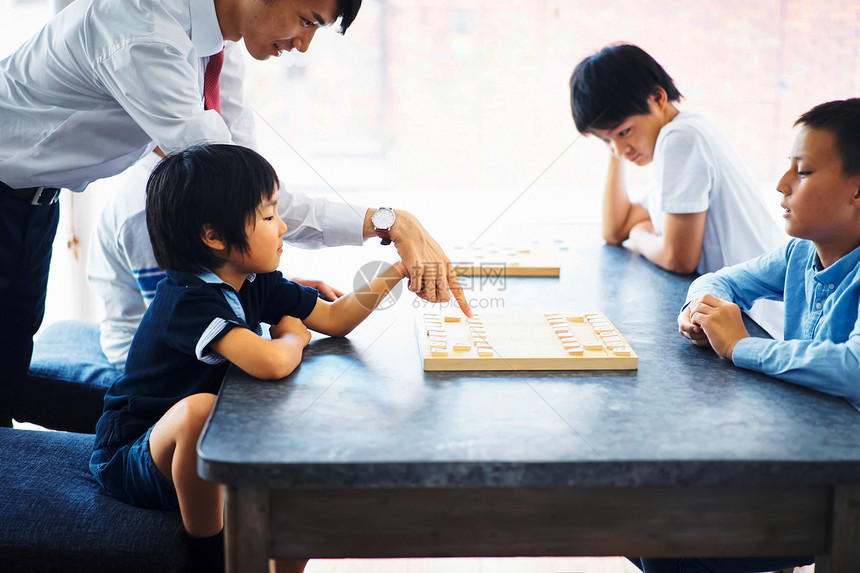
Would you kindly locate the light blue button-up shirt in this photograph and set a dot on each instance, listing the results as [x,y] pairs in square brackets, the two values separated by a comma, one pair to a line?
[821,349]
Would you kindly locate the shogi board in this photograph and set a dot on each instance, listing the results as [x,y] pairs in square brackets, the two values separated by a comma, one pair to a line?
[531,259]
[522,341]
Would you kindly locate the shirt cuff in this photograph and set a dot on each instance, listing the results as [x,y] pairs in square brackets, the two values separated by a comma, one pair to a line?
[343,224]
[216,328]
[748,351]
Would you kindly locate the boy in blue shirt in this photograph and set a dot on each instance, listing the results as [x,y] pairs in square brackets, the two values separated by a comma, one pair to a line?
[817,274]
[213,220]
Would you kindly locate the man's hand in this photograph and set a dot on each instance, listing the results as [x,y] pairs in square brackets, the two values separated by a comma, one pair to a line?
[328,293]
[291,325]
[721,321]
[431,274]
[689,330]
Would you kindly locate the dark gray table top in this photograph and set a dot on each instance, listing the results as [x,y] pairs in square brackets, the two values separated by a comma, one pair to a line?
[361,412]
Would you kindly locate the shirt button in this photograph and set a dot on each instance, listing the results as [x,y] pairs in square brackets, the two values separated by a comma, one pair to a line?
[831,286]
[818,305]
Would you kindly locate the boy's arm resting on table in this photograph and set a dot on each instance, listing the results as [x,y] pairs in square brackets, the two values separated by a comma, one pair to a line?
[823,365]
[684,182]
[326,291]
[742,285]
[261,358]
[719,320]
[619,214]
[679,248]
[747,282]
[829,367]
[341,316]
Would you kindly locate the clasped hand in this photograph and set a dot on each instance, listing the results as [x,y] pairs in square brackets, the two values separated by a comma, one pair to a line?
[712,321]
[291,325]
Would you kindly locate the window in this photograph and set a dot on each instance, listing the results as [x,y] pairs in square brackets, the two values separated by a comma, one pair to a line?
[459,112]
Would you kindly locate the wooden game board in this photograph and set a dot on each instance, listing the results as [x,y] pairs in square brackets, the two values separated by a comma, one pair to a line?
[522,341]
[530,260]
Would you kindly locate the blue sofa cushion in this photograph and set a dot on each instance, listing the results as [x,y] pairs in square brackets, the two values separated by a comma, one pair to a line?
[69,375]
[55,518]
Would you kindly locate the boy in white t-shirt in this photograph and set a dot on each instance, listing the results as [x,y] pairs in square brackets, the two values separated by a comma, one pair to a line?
[704,211]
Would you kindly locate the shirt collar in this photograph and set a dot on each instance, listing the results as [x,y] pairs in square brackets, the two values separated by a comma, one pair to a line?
[838,271]
[184,278]
[816,262]
[205,30]
[213,279]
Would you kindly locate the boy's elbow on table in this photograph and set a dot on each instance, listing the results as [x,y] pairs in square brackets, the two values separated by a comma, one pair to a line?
[276,363]
[337,331]
[614,237]
[273,370]
[679,260]
[682,267]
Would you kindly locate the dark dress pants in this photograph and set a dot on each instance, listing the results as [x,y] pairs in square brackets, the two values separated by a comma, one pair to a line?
[26,237]
[723,565]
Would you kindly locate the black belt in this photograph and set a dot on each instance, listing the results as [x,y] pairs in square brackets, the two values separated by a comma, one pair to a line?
[33,195]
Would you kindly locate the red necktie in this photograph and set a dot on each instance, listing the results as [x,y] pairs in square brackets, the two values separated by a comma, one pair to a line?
[211,89]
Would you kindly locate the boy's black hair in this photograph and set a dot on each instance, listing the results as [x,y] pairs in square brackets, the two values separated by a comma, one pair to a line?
[218,185]
[347,10]
[614,84]
[842,119]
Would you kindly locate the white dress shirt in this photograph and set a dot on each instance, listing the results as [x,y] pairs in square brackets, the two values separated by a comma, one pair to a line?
[103,83]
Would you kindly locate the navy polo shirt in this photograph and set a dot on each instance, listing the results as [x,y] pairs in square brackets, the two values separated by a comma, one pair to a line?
[170,358]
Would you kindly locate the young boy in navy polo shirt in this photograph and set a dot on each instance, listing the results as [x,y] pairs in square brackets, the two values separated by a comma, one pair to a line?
[817,274]
[213,220]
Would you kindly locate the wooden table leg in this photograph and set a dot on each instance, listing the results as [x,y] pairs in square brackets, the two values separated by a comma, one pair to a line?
[246,532]
[844,556]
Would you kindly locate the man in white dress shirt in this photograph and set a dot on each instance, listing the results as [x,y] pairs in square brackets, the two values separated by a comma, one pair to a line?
[101,86]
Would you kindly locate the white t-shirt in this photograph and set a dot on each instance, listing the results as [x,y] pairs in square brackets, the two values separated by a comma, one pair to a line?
[697,170]
[103,83]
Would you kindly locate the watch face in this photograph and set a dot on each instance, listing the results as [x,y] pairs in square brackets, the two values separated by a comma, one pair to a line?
[383,218]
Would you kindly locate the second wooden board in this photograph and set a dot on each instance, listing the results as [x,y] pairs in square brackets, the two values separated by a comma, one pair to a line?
[523,341]
[531,259]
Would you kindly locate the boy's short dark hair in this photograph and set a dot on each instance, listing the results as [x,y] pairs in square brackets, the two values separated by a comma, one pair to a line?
[614,84]
[218,185]
[842,119]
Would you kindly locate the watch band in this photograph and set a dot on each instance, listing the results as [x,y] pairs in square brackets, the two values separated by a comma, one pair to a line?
[384,235]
